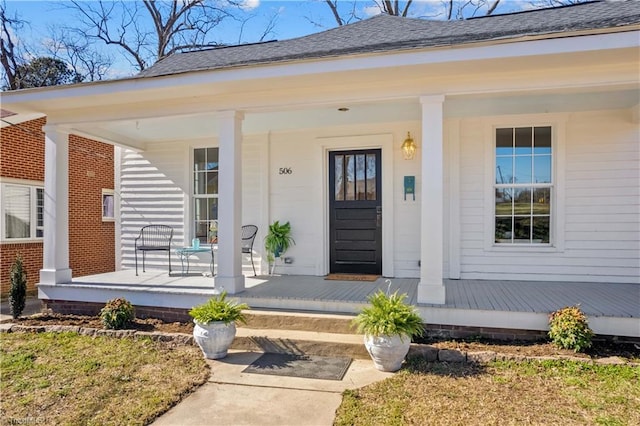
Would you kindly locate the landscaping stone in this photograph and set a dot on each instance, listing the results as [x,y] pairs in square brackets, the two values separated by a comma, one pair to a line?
[451,355]
[27,328]
[62,328]
[6,328]
[144,335]
[429,353]
[612,360]
[86,331]
[481,357]
[515,357]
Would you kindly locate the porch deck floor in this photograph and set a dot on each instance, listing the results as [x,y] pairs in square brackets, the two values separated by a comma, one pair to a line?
[595,299]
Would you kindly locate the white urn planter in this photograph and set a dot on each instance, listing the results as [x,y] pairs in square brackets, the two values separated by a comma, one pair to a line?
[387,352]
[214,338]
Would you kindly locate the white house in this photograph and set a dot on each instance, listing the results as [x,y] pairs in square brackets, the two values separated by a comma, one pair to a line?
[526,127]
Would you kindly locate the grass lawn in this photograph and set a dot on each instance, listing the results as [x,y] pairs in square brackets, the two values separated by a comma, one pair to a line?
[543,392]
[70,379]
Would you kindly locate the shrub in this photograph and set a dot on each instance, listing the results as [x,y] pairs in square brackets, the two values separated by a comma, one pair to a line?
[219,309]
[18,291]
[569,329]
[117,314]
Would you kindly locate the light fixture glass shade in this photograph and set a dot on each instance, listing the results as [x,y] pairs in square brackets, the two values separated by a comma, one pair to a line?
[409,148]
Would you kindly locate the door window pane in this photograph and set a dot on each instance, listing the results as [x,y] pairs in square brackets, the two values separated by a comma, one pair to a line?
[371,177]
[350,187]
[360,178]
[339,177]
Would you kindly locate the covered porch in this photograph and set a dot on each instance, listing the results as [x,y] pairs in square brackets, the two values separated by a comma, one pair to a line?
[476,304]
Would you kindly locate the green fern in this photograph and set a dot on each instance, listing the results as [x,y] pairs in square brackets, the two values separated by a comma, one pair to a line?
[219,309]
[388,316]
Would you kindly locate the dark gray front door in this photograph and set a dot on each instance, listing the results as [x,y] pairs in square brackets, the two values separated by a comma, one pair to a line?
[355,209]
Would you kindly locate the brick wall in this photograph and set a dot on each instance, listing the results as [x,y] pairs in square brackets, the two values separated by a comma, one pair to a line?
[22,150]
[91,241]
[31,259]
[22,157]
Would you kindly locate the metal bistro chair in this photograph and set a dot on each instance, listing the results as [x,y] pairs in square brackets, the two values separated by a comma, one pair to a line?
[153,238]
[248,236]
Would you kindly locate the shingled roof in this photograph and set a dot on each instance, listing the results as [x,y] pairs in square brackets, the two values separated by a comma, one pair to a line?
[384,33]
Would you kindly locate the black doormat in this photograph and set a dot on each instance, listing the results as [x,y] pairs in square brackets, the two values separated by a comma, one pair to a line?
[307,366]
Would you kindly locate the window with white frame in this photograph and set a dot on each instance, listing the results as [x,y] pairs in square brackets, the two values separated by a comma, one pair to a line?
[22,212]
[523,185]
[205,194]
[108,205]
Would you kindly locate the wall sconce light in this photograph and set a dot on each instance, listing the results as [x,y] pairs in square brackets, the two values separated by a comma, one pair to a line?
[409,148]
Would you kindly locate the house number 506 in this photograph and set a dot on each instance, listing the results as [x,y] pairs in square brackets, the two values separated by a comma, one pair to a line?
[285,171]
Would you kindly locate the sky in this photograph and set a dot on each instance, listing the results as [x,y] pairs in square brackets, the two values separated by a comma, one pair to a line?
[294,19]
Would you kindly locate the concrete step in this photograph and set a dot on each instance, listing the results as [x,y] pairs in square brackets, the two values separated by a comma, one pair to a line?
[300,342]
[310,321]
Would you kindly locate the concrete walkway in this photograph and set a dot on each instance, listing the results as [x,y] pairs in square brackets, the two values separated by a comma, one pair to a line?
[232,397]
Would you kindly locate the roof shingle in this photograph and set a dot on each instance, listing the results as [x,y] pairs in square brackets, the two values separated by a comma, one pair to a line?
[385,33]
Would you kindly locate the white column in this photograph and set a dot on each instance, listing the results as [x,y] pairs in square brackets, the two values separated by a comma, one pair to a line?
[229,257]
[55,268]
[431,287]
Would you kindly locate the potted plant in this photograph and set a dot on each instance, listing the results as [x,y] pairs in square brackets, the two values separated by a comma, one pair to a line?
[215,324]
[388,324]
[277,241]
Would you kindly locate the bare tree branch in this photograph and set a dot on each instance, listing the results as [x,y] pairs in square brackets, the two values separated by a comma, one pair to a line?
[172,26]
[10,58]
[87,62]
[454,9]
[333,5]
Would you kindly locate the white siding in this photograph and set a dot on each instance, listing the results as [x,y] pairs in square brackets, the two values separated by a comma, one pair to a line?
[152,190]
[601,221]
[156,188]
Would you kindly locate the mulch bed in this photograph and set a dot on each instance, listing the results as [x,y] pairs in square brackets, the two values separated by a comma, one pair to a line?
[600,348]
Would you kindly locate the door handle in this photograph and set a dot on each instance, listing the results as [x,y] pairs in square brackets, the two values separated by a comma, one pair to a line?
[379,216]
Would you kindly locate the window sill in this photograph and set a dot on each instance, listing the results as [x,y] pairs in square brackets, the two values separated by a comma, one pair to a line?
[23,241]
[523,248]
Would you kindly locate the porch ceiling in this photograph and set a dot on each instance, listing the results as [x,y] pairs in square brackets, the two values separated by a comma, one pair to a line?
[138,133]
